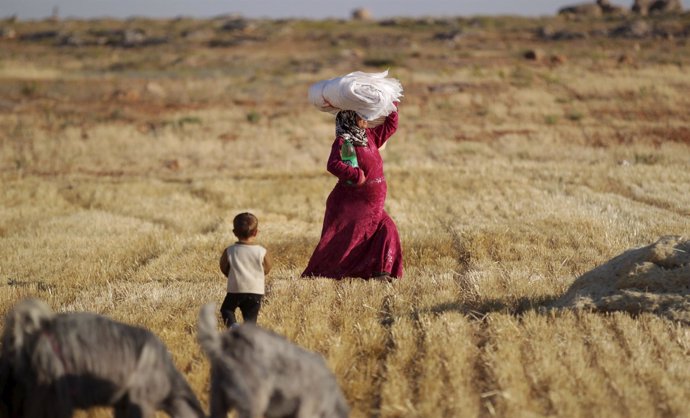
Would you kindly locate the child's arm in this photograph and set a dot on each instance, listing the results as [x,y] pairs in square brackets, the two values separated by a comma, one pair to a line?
[267,263]
[224,263]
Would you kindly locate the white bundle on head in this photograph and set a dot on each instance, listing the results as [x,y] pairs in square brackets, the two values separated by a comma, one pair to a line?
[371,95]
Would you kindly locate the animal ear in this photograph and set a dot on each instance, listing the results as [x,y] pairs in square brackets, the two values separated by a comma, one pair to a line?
[27,319]
[22,325]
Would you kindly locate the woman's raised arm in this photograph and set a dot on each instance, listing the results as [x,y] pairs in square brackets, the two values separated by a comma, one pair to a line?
[381,133]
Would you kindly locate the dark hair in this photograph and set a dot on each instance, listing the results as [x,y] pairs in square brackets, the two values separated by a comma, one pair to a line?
[245,225]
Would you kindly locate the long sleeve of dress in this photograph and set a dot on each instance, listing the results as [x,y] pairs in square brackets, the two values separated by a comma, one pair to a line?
[338,168]
[381,133]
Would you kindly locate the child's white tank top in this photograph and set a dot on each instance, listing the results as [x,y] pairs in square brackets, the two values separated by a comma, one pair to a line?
[246,274]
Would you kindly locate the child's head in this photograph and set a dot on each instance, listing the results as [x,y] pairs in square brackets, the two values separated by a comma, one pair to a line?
[245,225]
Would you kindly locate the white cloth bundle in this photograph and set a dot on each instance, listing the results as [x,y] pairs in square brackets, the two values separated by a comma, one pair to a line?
[371,95]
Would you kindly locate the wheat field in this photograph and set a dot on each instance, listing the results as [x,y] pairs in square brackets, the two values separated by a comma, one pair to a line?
[121,170]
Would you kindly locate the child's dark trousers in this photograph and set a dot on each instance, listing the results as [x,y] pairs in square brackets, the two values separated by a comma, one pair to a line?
[249,304]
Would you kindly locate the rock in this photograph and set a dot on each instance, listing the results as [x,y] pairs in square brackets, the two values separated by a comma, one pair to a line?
[669,29]
[40,36]
[558,59]
[612,10]
[155,89]
[233,42]
[548,33]
[352,53]
[125,95]
[392,22]
[173,165]
[452,36]
[133,37]
[636,29]
[584,9]
[534,55]
[123,38]
[654,278]
[641,7]
[136,37]
[666,6]
[450,88]
[198,35]
[362,14]
[7,33]
[625,59]
[71,40]
[237,24]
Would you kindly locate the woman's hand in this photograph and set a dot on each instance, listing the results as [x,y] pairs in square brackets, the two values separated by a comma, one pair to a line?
[362,178]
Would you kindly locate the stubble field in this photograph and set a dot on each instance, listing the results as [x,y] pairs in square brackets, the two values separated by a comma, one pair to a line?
[121,169]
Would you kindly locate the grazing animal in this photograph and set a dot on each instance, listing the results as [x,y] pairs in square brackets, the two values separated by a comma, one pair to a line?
[52,364]
[260,373]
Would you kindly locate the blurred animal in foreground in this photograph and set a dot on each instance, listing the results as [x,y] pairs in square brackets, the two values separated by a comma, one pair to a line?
[51,364]
[260,373]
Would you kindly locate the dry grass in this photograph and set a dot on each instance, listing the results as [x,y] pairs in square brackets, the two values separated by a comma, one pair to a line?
[121,173]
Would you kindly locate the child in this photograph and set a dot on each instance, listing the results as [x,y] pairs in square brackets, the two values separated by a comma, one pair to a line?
[244,264]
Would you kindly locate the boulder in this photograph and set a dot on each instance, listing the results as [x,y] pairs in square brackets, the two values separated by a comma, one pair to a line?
[626,59]
[198,35]
[612,10]
[548,33]
[451,36]
[583,9]
[666,6]
[7,33]
[133,38]
[534,55]
[71,39]
[40,36]
[237,24]
[362,14]
[558,59]
[636,29]
[641,7]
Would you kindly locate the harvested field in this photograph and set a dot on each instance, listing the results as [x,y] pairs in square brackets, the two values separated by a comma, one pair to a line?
[121,167]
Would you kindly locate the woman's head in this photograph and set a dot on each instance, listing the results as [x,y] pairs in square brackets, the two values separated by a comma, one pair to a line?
[353,118]
[245,225]
[349,125]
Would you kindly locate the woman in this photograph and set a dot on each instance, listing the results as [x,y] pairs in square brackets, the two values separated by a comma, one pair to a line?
[358,238]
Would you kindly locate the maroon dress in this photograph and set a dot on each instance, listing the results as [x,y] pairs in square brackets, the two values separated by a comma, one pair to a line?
[358,238]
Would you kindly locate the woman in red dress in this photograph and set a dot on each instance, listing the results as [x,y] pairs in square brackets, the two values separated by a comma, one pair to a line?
[358,238]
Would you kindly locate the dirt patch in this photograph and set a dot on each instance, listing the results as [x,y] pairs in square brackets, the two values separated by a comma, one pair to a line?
[655,278]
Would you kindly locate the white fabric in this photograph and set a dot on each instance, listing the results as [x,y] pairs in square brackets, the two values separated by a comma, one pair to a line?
[371,95]
[246,273]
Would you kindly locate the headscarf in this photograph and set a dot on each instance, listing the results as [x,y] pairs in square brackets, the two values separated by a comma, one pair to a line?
[346,127]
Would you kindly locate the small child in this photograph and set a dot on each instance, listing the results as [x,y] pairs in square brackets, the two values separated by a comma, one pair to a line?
[244,263]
